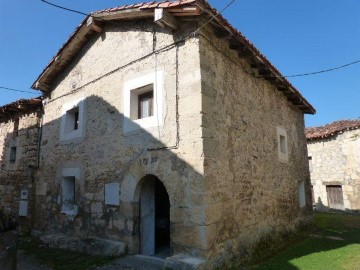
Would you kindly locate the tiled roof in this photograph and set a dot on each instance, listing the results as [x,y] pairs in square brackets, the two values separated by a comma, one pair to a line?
[313,133]
[148,5]
[21,106]
[177,8]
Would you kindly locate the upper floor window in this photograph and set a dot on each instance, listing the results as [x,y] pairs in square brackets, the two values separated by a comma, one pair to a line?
[143,102]
[146,104]
[72,121]
[282,142]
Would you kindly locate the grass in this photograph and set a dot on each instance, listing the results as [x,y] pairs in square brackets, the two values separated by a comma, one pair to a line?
[59,259]
[335,244]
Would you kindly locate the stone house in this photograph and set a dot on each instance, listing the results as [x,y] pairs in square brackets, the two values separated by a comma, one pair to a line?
[334,159]
[172,134]
[19,137]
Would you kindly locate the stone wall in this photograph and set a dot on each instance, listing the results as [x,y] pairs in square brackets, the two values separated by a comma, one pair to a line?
[23,133]
[251,193]
[105,153]
[336,161]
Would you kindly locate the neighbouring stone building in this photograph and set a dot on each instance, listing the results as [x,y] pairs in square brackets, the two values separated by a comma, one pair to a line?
[334,158]
[171,134]
[19,145]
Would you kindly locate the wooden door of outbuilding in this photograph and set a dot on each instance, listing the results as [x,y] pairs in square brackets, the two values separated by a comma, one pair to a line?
[335,197]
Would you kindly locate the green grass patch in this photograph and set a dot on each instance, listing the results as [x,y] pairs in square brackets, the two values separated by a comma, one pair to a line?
[335,244]
[60,259]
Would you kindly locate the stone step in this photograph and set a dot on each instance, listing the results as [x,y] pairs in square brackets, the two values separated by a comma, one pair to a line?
[91,245]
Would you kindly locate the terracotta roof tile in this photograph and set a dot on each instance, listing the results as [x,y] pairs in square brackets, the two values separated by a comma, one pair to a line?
[331,129]
[164,4]
[205,7]
[174,4]
[137,5]
[21,106]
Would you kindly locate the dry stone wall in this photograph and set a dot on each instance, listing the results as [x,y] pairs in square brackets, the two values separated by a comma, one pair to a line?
[336,161]
[251,194]
[105,153]
[20,135]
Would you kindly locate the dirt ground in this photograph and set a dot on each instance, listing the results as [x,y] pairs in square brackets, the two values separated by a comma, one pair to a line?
[27,262]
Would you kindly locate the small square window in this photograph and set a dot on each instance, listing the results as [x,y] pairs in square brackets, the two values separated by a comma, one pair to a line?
[282,143]
[12,154]
[72,120]
[142,102]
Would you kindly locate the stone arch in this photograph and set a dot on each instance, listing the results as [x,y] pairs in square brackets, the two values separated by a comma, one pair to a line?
[133,179]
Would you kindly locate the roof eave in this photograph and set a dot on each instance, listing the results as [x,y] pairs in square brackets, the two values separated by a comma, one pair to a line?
[86,29]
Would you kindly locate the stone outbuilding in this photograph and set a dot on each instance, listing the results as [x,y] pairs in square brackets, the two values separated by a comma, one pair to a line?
[334,160]
[19,146]
[165,129]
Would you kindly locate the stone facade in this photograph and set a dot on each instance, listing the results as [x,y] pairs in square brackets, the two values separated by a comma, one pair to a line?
[251,192]
[335,162]
[224,148]
[106,154]
[19,145]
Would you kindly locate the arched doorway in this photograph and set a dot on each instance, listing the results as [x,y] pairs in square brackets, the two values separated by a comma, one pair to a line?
[154,218]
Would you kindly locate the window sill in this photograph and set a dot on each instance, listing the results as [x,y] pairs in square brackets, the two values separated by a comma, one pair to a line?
[143,123]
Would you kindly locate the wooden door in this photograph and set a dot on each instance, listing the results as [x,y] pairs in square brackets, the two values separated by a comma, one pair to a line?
[147,218]
[335,197]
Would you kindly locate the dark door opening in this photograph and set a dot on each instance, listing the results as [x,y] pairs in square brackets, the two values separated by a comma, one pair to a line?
[162,220]
[154,218]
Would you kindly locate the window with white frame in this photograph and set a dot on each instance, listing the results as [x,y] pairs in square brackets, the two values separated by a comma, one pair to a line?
[72,120]
[143,102]
[282,142]
[69,190]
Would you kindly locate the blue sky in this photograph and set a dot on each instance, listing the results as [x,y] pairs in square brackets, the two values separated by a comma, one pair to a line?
[296,36]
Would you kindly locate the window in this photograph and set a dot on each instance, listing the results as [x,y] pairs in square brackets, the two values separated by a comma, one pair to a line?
[71,186]
[68,194]
[143,102]
[72,121]
[310,163]
[12,154]
[282,143]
